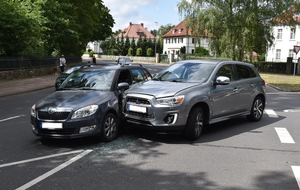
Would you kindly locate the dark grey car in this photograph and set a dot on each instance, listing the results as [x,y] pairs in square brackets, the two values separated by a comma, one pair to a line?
[188,95]
[87,103]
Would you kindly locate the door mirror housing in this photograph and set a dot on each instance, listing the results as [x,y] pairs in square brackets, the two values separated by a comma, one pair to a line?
[222,80]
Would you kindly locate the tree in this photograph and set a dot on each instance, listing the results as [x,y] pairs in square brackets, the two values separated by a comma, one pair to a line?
[126,45]
[42,27]
[133,46]
[235,26]
[20,29]
[165,28]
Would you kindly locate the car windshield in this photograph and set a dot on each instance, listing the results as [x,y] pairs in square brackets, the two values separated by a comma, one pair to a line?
[89,80]
[186,72]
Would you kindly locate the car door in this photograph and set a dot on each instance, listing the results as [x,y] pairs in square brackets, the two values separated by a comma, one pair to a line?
[225,100]
[246,79]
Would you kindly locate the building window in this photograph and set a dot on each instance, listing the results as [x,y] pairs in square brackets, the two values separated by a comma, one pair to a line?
[180,40]
[279,34]
[291,53]
[293,33]
[193,40]
[278,53]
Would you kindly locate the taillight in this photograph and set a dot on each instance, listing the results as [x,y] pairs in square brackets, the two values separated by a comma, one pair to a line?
[263,82]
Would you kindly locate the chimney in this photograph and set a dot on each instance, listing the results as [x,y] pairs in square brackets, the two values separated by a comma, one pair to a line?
[142,24]
[130,23]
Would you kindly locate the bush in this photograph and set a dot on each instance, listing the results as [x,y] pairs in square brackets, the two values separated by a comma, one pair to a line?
[200,51]
[139,52]
[149,52]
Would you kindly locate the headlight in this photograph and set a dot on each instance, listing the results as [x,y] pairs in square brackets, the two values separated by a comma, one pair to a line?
[33,111]
[85,111]
[171,101]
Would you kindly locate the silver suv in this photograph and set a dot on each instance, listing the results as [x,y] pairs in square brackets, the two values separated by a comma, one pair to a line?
[188,95]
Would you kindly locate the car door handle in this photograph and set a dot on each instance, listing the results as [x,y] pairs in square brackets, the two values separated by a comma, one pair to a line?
[252,85]
[235,89]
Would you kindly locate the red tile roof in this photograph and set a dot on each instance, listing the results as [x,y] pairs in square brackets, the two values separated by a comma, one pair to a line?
[179,30]
[135,30]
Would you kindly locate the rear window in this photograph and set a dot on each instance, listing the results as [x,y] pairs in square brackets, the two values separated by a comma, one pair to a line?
[245,72]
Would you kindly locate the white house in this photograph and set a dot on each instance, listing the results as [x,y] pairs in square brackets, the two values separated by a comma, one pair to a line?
[95,46]
[286,37]
[287,40]
[179,37]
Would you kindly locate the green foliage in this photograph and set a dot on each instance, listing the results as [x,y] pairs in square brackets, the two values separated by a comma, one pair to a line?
[39,28]
[235,27]
[200,51]
[130,51]
[139,52]
[183,50]
[149,52]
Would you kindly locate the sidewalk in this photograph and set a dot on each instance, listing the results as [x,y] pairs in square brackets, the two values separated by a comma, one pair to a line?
[13,87]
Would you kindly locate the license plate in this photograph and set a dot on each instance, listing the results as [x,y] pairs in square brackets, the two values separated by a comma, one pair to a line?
[134,108]
[51,125]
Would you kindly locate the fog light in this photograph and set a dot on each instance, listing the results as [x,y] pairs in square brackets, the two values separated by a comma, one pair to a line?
[87,129]
[33,128]
[171,118]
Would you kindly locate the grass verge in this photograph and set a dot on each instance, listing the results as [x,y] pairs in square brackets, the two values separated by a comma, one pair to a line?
[288,83]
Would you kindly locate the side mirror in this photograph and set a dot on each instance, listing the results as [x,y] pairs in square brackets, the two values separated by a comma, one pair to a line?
[222,80]
[123,86]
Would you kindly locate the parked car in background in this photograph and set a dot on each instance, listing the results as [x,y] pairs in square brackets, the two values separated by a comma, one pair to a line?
[189,95]
[87,103]
[124,60]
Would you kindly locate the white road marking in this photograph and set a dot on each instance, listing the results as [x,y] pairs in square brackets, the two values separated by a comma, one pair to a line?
[271,113]
[10,118]
[53,171]
[40,158]
[292,110]
[284,135]
[296,170]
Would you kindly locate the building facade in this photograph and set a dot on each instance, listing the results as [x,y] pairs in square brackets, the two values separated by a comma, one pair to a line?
[286,37]
[179,37]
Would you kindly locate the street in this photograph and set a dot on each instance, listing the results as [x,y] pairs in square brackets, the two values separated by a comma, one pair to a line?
[235,154]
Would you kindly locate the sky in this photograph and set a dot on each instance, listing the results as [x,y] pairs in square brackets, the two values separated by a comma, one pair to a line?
[153,13]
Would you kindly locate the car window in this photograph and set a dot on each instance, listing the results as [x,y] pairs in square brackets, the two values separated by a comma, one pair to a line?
[125,76]
[91,79]
[245,72]
[137,75]
[226,71]
[186,72]
[146,74]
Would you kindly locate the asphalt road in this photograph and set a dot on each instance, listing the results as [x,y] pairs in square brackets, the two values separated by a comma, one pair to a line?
[233,155]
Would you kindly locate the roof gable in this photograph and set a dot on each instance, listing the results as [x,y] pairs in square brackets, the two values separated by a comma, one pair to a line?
[179,30]
[136,31]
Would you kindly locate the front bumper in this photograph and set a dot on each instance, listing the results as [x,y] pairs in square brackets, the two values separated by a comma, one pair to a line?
[70,128]
[149,114]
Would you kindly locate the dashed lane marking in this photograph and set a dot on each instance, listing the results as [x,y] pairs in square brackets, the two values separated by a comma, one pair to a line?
[40,158]
[10,118]
[284,135]
[53,171]
[296,170]
[271,113]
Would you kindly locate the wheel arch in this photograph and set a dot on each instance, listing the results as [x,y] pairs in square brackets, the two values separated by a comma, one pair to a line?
[205,108]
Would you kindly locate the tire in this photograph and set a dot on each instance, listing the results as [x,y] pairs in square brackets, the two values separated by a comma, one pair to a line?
[195,124]
[110,127]
[257,109]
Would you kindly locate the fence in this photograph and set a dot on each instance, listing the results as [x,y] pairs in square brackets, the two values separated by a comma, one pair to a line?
[7,64]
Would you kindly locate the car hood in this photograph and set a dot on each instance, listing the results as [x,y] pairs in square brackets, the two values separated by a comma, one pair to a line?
[70,100]
[160,88]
